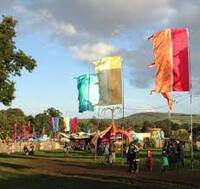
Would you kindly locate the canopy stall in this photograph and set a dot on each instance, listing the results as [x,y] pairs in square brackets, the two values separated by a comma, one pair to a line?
[109,133]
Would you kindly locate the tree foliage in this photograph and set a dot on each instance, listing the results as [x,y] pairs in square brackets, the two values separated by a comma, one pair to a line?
[12,60]
[52,112]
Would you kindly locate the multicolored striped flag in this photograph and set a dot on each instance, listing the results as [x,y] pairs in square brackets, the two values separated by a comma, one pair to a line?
[88,92]
[171,61]
[54,123]
[110,83]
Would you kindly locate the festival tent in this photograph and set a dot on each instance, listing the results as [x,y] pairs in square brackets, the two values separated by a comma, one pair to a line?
[75,136]
[81,136]
[110,132]
[64,137]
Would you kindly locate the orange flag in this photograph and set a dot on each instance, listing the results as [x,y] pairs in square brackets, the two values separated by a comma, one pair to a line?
[171,61]
[170,101]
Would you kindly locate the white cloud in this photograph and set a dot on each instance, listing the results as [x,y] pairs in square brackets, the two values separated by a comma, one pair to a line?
[92,51]
[96,18]
[44,21]
[88,28]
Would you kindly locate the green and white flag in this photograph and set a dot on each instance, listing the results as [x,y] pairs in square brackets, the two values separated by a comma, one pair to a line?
[88,92]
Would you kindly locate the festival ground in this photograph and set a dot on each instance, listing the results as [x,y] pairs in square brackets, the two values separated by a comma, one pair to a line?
[79,170]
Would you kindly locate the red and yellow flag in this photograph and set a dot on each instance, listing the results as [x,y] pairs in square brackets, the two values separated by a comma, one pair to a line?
[171,59]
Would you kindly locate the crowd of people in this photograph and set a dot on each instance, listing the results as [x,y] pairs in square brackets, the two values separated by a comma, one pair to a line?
[109,152]
[171,154]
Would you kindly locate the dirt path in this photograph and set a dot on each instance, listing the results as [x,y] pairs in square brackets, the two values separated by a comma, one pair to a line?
[80,169]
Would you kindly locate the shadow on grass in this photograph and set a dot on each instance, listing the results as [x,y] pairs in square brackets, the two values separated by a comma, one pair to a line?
[83,182]
[51,182]
[70,155]
[17,156]
[13,166]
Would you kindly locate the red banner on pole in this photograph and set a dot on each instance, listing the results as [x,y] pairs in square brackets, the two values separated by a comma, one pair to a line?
[74,124]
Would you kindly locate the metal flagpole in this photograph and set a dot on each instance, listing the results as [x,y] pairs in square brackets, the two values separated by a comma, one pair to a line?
[98,117]
[191,128]
[169,115]
[95,155]
[123,109]
[190,92]
[169,119]
[88,92]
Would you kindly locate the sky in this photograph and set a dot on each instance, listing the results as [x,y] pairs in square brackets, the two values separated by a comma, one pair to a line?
[66,36]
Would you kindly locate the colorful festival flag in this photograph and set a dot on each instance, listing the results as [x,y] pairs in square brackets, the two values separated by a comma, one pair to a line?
[66,121]
[54,123]
[88,92]
[14,137]
[110,83]
[73,124]
[171,60]
[51,123]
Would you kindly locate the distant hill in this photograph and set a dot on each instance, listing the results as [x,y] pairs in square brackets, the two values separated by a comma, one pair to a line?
[139,118]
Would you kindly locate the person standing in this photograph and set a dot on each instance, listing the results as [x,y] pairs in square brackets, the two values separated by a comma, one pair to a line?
[164,161]
[106,154]
[180,152]
[149,160]
[132,157]
[112,151]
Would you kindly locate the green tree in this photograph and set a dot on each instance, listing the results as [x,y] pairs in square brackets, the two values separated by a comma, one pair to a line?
[12,60]
[146,126]
[82,126]
[41,123]
[41,120]
[52,112]
[166,125]
[9,117]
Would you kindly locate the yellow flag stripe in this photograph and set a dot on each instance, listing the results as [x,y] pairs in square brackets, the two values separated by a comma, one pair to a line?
[108,63]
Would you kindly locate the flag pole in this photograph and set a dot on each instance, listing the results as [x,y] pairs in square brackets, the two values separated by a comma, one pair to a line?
[191,128]
[98,117]
[123,109]
[190,93]
[169,115]
[88,92]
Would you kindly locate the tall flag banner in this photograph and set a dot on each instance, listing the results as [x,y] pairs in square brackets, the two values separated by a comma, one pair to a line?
[26,132]
[88,92]
[66,121]
[54,123]
[110,83]
[14,138]
[171,61]
[51,123]
[74,124]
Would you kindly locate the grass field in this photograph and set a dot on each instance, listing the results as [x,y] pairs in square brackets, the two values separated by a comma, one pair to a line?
[80,170]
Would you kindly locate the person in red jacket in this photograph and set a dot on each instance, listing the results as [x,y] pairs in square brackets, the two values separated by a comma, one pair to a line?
[149,160]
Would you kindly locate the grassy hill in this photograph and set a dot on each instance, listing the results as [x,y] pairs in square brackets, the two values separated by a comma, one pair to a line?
[139,118]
